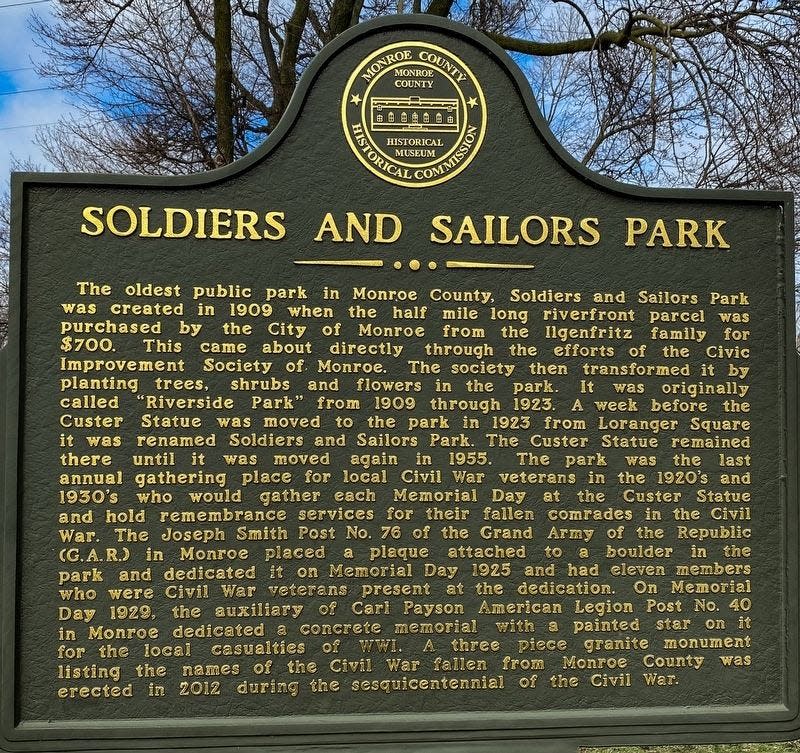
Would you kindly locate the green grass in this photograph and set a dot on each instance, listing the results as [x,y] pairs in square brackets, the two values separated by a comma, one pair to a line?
[788,747]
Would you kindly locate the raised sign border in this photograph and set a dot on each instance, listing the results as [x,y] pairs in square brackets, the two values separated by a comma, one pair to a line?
[442,732]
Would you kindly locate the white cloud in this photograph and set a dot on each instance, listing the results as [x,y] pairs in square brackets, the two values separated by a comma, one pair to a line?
[16,43]
[18,51]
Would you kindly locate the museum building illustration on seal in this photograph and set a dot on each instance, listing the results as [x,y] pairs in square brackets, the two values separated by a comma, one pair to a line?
[414,114]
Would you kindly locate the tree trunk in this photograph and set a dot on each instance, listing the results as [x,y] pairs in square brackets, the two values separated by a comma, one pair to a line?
[223,80]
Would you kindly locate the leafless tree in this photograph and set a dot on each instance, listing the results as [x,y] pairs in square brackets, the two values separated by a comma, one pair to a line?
[690,92]
[655,92]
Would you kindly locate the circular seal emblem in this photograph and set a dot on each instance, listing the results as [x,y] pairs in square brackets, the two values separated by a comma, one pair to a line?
[414,114]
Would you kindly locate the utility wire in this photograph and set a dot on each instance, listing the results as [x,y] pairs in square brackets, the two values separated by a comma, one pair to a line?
[131,116]
[25,2]
[29,125]
[28,91]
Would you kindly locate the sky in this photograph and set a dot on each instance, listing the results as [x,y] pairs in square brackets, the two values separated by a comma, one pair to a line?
[19,108]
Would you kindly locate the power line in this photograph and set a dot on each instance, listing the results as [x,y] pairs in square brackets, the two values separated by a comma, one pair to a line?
[25,2]
[28,91]
[55,122]
[29,125]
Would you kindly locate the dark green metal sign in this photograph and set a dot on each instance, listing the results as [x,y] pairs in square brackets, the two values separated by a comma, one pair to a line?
[404,431]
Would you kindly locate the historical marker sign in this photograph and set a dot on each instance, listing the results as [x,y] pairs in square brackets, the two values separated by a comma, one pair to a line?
[405,430]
